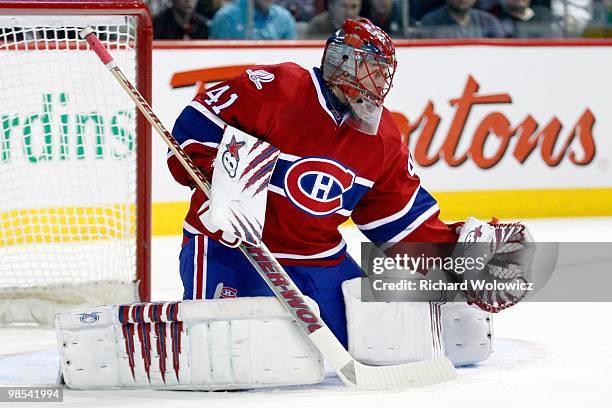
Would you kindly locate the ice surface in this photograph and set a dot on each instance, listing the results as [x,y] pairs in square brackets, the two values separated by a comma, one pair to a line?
[545,355]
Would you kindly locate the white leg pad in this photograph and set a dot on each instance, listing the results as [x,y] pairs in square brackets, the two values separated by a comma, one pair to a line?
[468,333]
[219,344]
[401,332]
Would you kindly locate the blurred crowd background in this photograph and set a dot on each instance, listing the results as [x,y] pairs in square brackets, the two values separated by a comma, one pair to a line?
[316,19]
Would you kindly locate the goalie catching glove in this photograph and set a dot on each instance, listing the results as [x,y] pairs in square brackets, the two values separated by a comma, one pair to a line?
[237,206]
[507,250]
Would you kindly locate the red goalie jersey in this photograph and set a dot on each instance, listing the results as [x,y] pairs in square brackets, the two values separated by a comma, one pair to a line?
[327,170]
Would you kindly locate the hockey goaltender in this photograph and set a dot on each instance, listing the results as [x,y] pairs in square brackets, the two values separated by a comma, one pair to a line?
[292,153]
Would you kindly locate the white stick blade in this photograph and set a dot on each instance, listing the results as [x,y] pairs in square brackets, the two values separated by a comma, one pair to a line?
[404,376]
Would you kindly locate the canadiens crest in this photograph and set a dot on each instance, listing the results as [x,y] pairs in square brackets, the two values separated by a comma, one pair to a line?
[228,293]
[316,185]
[260,76]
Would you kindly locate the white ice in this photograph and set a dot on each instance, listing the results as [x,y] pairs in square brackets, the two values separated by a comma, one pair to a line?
[545,354]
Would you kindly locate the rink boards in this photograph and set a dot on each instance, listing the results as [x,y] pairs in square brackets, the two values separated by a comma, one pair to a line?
[511,129]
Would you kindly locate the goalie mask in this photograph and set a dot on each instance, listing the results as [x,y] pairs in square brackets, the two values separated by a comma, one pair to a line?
[359,59]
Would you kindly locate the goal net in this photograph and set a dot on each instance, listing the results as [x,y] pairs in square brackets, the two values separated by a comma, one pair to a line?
[73,159]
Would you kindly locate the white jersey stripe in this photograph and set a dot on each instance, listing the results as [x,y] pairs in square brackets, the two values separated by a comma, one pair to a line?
[364,181]
[204,260]
[288,157]
[276,190]
[191,141]
[190,229]
[194,288]
[414,225]
[209,115]
[320,96]
[323,254]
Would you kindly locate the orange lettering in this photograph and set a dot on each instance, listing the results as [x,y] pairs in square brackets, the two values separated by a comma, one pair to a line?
[526,133]
[463,107]
[526,143]
[201,77]
[497,124]
[584,129]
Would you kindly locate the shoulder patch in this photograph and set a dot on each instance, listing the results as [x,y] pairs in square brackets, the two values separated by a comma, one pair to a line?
[260,76]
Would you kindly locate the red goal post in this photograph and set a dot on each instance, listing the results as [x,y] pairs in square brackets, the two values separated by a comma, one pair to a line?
[78,155]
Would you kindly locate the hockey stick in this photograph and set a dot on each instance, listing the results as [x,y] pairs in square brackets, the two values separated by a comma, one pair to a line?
[352,372]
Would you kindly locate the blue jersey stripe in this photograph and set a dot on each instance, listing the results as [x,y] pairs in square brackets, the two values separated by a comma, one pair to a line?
[192,125]
[278,177]
[423,202]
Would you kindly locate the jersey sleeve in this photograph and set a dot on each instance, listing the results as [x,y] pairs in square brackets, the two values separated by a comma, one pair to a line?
[398,208]
[199,133]
[200,126]
[249,101]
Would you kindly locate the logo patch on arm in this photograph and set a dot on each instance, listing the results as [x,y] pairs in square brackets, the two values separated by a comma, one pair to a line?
[411,171]
[260,76]
[316,185]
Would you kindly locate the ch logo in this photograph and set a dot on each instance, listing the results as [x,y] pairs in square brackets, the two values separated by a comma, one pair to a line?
[316,185]
[228,293]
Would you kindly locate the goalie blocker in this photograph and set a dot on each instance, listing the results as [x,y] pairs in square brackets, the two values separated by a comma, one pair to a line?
[242,169]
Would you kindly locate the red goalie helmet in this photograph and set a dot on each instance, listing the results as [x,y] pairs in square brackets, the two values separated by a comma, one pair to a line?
[359,60]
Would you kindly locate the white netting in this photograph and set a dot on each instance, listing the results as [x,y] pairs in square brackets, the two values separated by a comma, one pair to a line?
[67,164]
